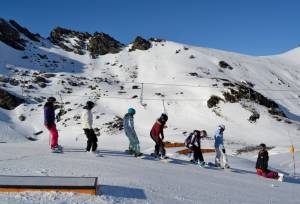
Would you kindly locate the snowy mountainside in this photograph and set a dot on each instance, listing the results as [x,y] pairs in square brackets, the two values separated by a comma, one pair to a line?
[182,77]
[255,97]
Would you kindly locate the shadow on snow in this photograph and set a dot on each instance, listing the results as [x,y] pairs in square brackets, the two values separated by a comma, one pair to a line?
[121,192]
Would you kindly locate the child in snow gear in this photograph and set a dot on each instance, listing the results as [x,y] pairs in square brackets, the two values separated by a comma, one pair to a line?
[134,144]
[155,133]
[49,122]
[193,142]
[262,164]
[220,149]
[87,124]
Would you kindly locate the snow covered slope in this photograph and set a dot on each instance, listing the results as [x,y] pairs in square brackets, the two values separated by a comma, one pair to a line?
[168,77]
[185,77]
[125,179]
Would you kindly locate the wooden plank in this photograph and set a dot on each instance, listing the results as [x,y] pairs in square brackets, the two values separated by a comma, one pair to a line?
[188,151]
[17,190]
[87,185]
[173,145]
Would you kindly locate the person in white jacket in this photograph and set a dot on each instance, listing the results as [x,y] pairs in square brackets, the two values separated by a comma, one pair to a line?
[87,124]
[220,149]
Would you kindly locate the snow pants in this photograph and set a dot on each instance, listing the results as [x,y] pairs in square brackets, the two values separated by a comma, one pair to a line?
[91,140]
[53,135]
[197,153]
[159,146]
[134,143]
[221,155]
[267,173]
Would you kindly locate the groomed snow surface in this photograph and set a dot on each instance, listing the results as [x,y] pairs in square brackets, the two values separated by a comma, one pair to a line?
[125,179]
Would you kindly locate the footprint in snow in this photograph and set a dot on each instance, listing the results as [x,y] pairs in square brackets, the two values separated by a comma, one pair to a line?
[43,172]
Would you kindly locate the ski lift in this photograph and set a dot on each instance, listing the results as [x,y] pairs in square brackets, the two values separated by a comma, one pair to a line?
[142,97]
[164,107]
[61,108]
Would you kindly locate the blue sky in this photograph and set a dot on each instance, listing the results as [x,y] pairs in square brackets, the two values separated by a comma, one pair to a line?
[255,27]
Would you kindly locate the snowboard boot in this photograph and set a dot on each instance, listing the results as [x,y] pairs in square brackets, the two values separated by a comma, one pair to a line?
[202,164]
[164,157]
[138,154]
[130,151]
[56,150]
[60,147]
[280,177]
[226,166]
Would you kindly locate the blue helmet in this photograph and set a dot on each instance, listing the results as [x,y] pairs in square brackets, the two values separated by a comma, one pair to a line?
[131,110]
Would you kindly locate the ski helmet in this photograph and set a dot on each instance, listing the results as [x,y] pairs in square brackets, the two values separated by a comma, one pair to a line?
[51,99]
[262,145]
[222,127]
[90,104]
[203,133]
[131,111]
[197,132]
[164,117]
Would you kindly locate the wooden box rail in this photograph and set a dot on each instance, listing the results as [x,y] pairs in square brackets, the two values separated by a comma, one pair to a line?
[85,185]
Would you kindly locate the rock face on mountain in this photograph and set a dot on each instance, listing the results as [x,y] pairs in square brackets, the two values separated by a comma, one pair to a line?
[25,31]
[10,36]
[101,44]
[140,44]
[61,37]
[240,92]
[97,44]
[9,101]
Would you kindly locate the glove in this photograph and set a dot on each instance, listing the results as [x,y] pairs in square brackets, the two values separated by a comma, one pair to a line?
[223,150]
[49,125]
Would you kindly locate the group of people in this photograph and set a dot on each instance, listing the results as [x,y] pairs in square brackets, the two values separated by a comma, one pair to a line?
[87,125]
[192,142]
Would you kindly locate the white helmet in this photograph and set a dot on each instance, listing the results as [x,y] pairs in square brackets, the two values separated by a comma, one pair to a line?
[222,126]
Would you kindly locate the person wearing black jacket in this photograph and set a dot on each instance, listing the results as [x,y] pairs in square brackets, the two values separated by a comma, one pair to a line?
[193,142]
[262,164]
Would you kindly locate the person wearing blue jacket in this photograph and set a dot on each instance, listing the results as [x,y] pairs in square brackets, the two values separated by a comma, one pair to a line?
[134,144]
[220,149]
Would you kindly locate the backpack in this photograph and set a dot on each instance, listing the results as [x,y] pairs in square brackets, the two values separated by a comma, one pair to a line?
[188,140]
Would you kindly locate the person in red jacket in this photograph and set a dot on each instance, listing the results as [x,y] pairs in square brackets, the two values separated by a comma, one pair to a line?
[157,135]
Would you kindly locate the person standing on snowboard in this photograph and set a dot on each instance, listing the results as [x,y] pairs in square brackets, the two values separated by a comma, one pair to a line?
[262,164]
[220,149]
[49,122]
[157,135]
[87,124]
[134,144]
[193,142]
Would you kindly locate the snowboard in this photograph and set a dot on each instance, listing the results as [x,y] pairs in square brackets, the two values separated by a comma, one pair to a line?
[133,154]
[96,154]
[212,165]
[165,159]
